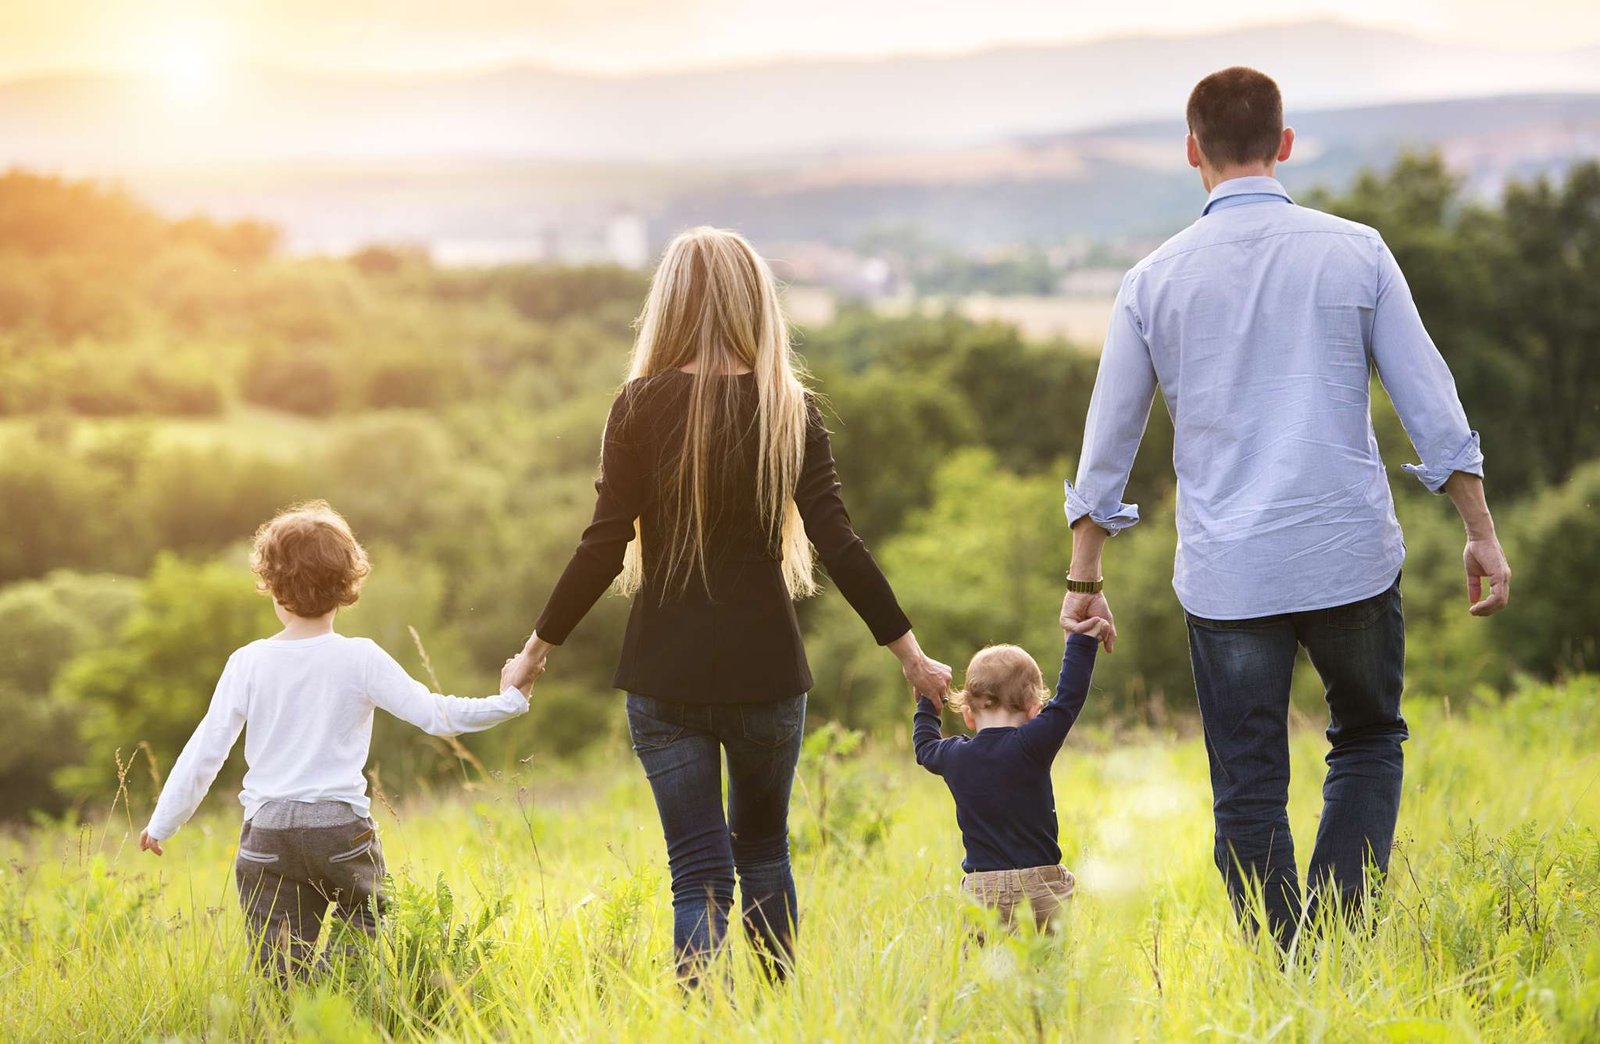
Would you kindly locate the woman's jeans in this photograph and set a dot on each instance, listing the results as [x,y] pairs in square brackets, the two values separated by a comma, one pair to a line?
[1242,674]
[681,746]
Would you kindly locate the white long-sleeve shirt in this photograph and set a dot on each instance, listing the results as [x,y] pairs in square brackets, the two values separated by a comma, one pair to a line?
[305,707]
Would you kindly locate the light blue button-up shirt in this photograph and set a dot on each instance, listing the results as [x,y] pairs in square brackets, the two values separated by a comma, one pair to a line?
[1259,322]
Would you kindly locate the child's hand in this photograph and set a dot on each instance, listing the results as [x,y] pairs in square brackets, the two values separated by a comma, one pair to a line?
[1095,627]
[148,843]
[520,672]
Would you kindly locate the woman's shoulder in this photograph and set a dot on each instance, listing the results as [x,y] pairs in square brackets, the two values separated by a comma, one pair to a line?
[641,398]
[816,413]
[639,391]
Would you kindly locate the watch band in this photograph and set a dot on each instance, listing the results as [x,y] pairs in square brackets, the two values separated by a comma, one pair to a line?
[1085,586]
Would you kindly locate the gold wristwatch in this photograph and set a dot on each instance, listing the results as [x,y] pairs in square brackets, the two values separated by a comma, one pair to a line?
[1085,586]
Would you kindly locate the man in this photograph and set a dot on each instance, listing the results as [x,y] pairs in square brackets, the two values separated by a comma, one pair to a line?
[1259,323]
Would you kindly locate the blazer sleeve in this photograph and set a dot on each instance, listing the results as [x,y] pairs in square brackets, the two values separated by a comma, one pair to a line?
[620,495]
[849,563]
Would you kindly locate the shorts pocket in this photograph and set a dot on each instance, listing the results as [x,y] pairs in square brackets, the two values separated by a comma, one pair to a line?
[360,850]
[252,856]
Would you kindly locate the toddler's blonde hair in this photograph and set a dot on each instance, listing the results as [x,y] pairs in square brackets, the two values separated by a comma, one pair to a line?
[1001,677]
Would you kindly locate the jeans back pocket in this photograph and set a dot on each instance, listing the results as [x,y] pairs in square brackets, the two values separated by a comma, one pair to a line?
[772,725]
[653,724]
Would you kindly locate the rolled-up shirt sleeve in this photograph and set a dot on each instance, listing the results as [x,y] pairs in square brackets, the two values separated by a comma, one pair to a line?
[1119,409]
[1419,382]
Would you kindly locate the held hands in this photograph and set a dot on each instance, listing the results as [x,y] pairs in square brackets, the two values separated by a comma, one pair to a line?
[148,843]
[1094,627]
[927,676]
[523,669]
[1089,614]
[520,672]
[1486,559]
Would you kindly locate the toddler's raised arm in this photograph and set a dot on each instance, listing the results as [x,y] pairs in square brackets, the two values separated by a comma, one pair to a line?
[927,736]
[1042,737]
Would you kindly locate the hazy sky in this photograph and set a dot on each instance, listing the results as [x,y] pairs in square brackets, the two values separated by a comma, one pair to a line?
[205,38]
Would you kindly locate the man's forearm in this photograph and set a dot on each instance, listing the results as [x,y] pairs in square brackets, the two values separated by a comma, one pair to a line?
[1088,541]
[1466,493]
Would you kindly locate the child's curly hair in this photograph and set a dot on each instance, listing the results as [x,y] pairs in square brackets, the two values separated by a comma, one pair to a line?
[1001,677]
[308,560]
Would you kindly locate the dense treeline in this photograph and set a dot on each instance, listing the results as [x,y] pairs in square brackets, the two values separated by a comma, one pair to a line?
[164,386]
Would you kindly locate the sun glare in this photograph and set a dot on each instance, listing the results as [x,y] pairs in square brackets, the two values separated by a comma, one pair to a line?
[190,62]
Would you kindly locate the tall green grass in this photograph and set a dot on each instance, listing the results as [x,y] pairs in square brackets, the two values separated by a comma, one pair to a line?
[537,908]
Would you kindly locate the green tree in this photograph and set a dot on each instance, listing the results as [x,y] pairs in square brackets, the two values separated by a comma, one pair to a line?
[1553,624]
[47,623]
[153,681]
[889,432]
[1505,293]
[1552,316]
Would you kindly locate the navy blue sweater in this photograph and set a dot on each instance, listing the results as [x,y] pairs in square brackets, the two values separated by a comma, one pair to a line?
[1000,778]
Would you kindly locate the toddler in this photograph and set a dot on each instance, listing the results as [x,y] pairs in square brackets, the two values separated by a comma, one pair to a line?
[1000,777]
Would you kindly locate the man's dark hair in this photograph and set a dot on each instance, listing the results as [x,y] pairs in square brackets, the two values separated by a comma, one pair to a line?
[1237,117]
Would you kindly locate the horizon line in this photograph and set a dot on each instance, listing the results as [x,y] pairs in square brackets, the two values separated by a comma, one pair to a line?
[754,63]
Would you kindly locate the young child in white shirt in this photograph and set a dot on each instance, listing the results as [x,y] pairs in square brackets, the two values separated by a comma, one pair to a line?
[304,699]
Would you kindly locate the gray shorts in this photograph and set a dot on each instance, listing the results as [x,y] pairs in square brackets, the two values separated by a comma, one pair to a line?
[298,858]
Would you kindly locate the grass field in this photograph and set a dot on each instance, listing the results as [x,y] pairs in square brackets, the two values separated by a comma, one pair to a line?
[537,908]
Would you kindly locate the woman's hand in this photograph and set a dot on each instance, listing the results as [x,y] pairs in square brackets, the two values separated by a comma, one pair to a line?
[148,843]
[523,669]
[928,677]
[520,673]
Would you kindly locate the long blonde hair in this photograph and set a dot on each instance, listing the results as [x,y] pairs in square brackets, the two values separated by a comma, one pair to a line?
[714,304]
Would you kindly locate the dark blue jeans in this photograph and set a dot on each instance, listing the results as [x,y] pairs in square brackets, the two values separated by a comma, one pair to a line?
[1242,674]
[681,746]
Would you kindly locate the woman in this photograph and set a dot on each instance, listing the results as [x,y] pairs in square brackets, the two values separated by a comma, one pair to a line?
[715,456]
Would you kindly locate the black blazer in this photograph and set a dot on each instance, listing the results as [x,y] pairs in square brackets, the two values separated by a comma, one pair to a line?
[739,641]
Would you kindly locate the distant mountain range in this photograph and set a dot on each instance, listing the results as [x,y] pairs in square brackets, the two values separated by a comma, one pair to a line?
[779,109]
[1131,180]
[996,146]
[1118,183]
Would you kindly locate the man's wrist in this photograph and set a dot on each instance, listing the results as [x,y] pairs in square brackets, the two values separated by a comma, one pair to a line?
[1085,585]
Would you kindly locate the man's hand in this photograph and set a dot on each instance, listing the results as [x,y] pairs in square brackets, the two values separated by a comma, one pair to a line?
[1483,556]
[1486,559]
[1078,609]
[148,843]
[1094,627]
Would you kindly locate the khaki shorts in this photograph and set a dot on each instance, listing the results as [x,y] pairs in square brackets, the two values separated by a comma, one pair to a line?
[1043,888]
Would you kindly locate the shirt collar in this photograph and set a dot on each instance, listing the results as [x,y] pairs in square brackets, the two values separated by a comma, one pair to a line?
[1237,191]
